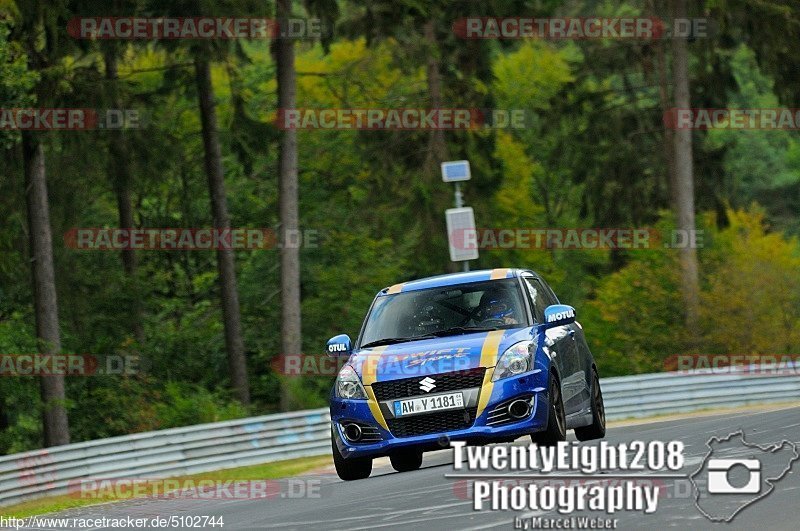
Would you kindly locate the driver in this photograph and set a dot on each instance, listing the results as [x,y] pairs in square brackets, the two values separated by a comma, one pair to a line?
[495,305]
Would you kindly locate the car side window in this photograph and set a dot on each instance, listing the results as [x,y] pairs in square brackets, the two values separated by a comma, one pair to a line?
[548,296]
[536,296]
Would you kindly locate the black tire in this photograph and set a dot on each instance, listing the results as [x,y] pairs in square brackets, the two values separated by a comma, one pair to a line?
[597,429]
[406,461]
[556,419]
[350,469]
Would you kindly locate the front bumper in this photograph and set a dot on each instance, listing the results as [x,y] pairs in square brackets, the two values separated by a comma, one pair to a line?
[526,385]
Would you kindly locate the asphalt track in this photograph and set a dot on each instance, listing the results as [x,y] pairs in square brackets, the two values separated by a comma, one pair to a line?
[426,499]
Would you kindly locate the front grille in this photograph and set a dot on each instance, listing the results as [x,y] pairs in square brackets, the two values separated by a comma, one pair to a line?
[458,419]
[449,381]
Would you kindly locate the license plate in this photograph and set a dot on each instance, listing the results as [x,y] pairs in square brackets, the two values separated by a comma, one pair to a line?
[426,404]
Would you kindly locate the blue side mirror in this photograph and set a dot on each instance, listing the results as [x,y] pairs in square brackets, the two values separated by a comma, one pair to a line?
[340,345]
[558,315]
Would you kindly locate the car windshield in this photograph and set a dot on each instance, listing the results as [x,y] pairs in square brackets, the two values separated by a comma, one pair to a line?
[442,311]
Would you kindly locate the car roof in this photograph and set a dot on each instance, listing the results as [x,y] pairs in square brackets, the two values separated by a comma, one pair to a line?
[453,279]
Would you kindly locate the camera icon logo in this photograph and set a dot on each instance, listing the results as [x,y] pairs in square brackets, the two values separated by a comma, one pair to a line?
[718,476]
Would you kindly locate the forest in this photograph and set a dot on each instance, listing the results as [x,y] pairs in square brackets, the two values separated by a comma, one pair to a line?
[179,131]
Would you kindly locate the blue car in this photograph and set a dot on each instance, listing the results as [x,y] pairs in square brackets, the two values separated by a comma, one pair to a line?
[484,357]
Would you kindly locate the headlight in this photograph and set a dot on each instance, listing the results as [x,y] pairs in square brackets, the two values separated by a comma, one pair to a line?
[517,358]
[348,385]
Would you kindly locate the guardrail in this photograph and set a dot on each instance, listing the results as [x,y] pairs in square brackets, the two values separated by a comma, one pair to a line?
[165,453]
[646,395]
[230,444]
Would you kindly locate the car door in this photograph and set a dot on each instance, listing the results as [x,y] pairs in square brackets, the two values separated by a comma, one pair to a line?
[573,377]
[585,361]
[558,339]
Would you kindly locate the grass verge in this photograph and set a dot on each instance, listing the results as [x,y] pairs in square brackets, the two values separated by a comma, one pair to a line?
[274,470]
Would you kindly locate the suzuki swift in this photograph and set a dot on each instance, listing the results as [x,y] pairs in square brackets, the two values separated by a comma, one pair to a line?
[484,357]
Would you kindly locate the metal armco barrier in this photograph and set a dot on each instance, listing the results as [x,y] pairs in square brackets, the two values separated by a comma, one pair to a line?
[165,453]
[646,395]
[230,444]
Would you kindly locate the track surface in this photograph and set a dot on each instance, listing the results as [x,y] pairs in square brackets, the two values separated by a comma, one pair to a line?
[425,499]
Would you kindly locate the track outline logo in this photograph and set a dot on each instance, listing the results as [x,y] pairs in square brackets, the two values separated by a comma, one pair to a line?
[770,481]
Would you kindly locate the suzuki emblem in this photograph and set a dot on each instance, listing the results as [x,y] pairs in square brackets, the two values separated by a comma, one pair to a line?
[427,384]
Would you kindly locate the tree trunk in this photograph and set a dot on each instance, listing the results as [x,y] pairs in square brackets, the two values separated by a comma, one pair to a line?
[684,179]
[291,339]
[669,135]
[119,172]
[54,413]
[430,215]
[237,362]
[437,147]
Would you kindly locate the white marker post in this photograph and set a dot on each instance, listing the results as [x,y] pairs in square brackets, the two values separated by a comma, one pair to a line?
[460,220]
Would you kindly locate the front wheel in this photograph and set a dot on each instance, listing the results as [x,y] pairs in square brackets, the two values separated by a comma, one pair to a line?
[406,461]
[597,429]
[556,419]
[349,469]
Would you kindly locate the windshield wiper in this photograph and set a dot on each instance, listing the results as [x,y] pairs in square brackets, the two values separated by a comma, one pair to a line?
[394,340]
[463,330]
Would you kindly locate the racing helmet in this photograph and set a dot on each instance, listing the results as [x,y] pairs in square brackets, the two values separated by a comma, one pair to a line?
[495,305]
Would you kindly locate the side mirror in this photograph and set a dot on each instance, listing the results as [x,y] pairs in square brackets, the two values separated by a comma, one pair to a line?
[558,315]
[340,345]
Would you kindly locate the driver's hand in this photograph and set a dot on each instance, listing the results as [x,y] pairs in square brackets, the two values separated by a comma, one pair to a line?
[509,320]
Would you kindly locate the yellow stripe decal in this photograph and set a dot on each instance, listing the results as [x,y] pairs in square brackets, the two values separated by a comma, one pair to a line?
[375,408]
[490,347]
[370,366]
[368,377]
[489,352]
[397,288]
[499,273]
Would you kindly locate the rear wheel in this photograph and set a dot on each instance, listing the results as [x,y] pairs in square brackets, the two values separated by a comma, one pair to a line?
[597,429]
[556,419]
[350,469]
[406,461]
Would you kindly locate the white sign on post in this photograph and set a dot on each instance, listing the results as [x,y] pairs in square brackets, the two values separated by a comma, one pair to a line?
[460,234]
[456,170]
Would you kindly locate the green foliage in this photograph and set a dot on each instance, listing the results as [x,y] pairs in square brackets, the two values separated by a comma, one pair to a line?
[19,400]
[185,404]
[636,315]
[754,161]
[750,295]
[752,302]
[16,81]
[592,154]
[530,76]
